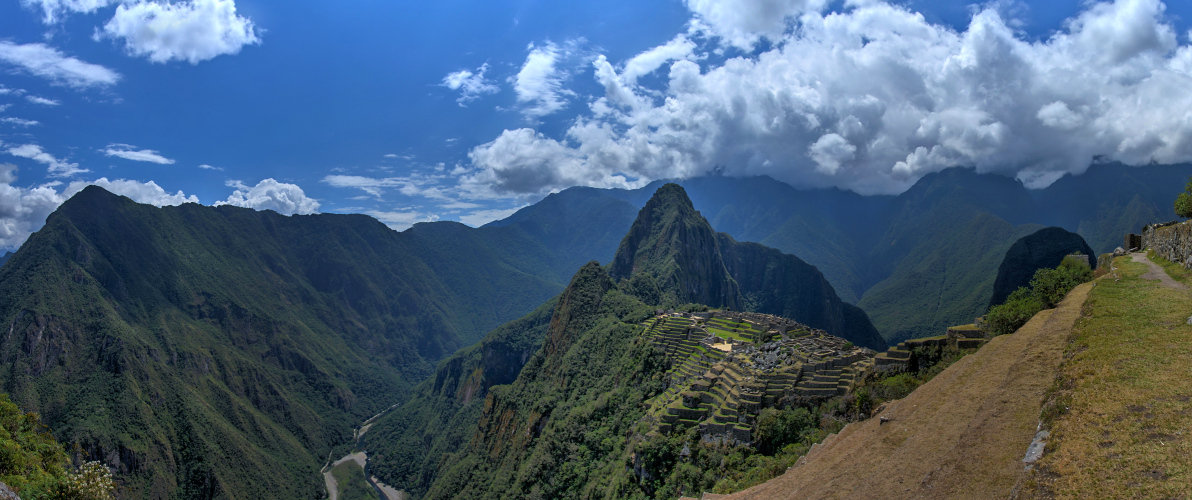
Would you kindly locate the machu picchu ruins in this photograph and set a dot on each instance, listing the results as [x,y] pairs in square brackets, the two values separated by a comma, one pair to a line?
[730,365]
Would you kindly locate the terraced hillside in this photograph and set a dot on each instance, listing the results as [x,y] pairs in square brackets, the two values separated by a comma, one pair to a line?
[727,367]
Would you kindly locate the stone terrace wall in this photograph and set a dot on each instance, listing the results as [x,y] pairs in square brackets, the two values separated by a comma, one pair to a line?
[1172,242]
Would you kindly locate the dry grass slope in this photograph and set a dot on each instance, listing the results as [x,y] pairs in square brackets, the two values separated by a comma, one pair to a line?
[961,435]
[1127,392]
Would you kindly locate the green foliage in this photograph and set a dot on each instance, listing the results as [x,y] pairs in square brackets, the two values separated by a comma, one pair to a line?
[1051,285]
[1008,317]
[31,461]
[35,465]
[1183,202]
[1048,288]
[777,428]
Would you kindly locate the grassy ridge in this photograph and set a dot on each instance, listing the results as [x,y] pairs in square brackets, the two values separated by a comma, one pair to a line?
[1118,413]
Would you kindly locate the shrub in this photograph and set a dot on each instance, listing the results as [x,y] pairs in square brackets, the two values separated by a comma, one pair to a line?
[1183,202]
[778,428]
[1048,288]
[1015,312]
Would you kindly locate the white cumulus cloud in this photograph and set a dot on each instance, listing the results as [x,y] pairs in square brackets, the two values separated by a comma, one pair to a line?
[129,152]
[55,166]
[742,22]
[870,99]
[470,85]
[539,83]
[46,62]
[283,198]
[191,30]
[19,121]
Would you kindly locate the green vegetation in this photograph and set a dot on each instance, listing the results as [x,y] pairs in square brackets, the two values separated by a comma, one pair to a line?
[352,485]
[36,466]
[1048,288]
[1118,411]
[1183,202]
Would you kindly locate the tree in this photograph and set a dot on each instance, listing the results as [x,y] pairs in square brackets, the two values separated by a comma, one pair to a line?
[1183,202]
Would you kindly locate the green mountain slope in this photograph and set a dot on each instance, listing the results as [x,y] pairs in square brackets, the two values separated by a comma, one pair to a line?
[409,445]
[560,430]
[221,352]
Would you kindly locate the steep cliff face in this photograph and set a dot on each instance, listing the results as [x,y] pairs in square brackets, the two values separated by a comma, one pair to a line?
[671,241]
[1043,249]
[772,282]
[689,262]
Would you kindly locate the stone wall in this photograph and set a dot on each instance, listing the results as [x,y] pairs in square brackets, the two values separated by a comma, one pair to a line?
[1170,241]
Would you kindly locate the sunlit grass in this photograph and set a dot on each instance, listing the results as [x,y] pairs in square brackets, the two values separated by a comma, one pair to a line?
[1123,411]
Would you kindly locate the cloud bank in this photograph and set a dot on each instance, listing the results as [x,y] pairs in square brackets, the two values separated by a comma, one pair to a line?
[868,99]
[286,199]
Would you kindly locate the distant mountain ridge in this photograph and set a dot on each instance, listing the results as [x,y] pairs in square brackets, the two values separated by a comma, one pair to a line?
[923,260]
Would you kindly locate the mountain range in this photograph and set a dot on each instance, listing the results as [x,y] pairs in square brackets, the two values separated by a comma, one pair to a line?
[193,347]
[222,352]
[917,262]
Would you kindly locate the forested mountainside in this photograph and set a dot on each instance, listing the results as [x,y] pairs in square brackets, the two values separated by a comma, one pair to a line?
[220,351]
[892,255]
[592,370]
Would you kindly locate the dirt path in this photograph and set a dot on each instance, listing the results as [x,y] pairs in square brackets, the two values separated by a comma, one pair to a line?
[1156,272]
[961,435]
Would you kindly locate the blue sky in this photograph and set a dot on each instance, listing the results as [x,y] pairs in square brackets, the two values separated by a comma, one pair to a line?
[466,110]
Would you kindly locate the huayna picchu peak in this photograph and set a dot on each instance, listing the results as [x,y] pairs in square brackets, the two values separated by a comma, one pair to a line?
[676,247]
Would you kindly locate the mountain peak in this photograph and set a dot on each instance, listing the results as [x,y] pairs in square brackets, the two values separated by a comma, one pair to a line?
[673,243]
